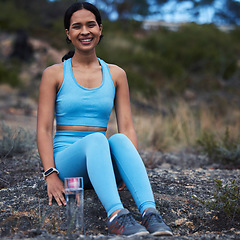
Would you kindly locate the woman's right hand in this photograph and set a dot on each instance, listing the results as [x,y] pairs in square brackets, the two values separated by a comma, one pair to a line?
[55,188]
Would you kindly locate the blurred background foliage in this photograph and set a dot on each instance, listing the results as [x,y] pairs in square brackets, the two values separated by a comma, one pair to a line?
[197,65]
[197,57]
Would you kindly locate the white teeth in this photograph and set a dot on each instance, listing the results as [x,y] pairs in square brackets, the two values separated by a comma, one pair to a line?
[86,40]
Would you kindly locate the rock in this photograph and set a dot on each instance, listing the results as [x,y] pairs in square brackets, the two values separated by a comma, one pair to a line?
[181,160]
[25,212]
[22,49]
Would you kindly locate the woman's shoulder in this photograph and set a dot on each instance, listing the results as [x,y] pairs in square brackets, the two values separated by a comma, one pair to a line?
[119,76]
[53,75]
[116,71]
[55,69]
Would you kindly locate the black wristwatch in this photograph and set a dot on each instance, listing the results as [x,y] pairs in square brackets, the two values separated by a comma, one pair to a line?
[50,171]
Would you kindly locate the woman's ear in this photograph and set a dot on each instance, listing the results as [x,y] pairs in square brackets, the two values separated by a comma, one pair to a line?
[101,28]
[67,33]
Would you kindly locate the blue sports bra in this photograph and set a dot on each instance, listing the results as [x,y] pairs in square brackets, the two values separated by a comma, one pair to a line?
[77,105]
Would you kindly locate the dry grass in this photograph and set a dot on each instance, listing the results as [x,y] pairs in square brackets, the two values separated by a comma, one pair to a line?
[179,127]
[183,125]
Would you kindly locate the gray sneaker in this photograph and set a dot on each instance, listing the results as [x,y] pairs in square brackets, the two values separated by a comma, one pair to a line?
[125,224]
[154,223]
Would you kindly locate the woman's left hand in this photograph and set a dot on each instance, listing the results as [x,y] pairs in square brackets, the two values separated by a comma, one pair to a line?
[122,186]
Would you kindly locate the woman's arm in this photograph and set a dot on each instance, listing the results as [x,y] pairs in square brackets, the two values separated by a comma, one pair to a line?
[122,104]
[47,95]
[122,107]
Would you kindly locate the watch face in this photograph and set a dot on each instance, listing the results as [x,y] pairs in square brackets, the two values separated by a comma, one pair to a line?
[48,171]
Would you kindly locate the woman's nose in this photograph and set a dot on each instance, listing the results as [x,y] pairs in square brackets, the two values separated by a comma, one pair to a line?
[84,30]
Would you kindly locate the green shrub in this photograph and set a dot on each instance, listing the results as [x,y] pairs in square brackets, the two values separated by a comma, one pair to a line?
[226,200]
[225,150]
[197,57]
[13,18]
[9,75]
[15,141]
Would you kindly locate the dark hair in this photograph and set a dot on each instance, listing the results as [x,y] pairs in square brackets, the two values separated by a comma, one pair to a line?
[67,18]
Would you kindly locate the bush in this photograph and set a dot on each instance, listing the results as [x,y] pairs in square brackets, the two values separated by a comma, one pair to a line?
[9,75]
[13,18]
[226,200]
[15,141]
[197,57]
[225,150]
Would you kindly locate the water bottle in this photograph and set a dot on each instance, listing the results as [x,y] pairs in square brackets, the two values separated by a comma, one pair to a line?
[75,205]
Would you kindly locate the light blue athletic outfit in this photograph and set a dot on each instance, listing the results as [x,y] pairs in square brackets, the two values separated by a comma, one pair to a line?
[102,163]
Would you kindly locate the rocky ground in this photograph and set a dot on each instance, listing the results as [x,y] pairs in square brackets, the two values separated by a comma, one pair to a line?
[25,214]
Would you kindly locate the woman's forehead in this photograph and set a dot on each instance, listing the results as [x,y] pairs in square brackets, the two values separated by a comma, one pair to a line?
[82,15]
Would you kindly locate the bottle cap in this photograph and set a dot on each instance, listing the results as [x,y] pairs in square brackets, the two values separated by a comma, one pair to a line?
[73,183]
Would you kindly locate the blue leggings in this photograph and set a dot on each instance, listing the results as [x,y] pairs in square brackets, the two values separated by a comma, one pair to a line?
[103,164]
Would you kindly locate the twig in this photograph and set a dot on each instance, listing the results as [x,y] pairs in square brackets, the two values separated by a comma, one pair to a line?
[1,179]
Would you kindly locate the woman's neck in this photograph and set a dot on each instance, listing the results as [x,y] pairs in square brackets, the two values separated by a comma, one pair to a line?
[85,58]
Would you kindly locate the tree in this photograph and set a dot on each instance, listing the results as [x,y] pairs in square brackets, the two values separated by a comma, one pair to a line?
[222,11]
[230,13]
[124,9]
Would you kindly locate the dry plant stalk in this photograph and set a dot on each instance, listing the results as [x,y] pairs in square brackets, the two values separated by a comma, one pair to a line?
[182,126]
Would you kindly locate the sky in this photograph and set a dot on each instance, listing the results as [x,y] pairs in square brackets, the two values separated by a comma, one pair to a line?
[180,13]
[177,13]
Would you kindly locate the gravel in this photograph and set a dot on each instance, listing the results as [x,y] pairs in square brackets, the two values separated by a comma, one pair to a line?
[176,179]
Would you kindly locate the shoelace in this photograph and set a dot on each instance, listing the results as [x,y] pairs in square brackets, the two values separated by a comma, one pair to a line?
[127,220]
[152,218]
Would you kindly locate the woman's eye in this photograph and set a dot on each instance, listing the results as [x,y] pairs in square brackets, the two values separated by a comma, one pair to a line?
[76,27]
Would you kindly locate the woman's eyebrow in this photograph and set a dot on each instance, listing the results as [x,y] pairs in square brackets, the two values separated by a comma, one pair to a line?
[78,23]
[89,22]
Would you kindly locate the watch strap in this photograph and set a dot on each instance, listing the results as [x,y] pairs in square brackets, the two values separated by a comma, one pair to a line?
[50,171]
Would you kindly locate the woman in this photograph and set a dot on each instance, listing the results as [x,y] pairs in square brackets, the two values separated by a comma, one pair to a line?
[81,92]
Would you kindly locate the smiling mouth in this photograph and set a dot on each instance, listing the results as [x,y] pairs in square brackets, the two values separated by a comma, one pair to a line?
[88,40]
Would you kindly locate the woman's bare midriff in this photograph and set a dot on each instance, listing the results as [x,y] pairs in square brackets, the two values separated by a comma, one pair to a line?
[80,128]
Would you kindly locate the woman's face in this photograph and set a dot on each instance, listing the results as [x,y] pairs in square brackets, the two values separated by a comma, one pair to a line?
[84,31]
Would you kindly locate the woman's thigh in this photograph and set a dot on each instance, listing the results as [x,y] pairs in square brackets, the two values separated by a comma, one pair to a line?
[71,155]
[71,160]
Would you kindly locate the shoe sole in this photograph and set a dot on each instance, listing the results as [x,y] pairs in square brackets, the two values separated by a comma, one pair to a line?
[131,235]
[139,234]
[162,233]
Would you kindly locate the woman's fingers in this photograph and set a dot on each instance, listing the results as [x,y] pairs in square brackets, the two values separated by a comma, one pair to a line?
[50,199]
[122,186]
[56,190]
[58,200]
[63,200]
[58,197]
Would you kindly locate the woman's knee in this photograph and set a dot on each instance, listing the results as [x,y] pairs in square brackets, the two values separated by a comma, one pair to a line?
[97,137]
[118,138]
[97,140]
